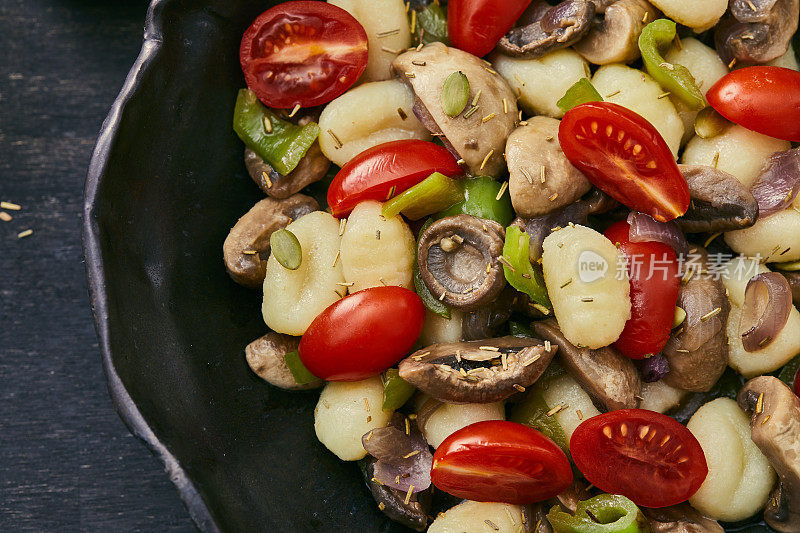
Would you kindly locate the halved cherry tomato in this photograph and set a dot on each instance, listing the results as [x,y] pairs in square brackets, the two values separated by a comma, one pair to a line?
[498,461]
[386,170]
[303,53]
[653,272]
[648,457]
[762,98]
[475,26]
[363,334]
[625,157]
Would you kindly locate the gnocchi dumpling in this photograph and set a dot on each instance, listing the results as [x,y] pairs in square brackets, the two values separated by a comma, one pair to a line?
[588,285]
[367,116]
[345,412]
[578,405]
[474,517]
[699,16]
[739,476]
[449,418]
[294,298]
[660,397]
[772,238]
[437,329]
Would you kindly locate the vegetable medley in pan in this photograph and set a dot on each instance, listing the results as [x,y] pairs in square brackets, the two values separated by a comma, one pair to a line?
[540,257]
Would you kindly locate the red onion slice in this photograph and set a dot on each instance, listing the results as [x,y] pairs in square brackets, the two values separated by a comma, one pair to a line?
[779,182]
[767,303]
[654,368]
[646,228]
[403,460]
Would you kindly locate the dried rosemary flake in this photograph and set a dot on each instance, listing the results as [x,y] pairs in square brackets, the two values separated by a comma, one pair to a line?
[5,217]
[710,314]
[527,175]
[413,27]
[542,172]
[419,63]
[705,244]
[587,299]
[441,298]
[376,480]
[460,162]
[267,124]
[505,106]
[519,387]
[502,191]
[388,33]
[249,252]
[391,192]
[532,360]
[26,233]
[336,259]
[381,506]
[766,419]
[542,309]
[732,63]
[715,161]
[410,487]
[338,143]
[760,404]
[390,50]
[580,414]
[556,409]
[294,111]
[486,159]
[526,276]
[410,454]
[491,524]
[471,111]
[553,197]
[487,118]
[408,427]
[477,97]
[402,113]
[615,93]
[664,95]
[342,224]
[410,75]
[566,283]
[10,206]
[506,263]
[378,234]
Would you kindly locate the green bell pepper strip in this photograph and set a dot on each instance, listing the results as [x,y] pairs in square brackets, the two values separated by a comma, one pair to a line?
[789,371]
[431,25]
[300,373]
[519,271]
[434,193]
[428,299]
[396,390]
[480,200]
[580,93]
[532,412]
[654,40]
[284,145]
[606,513]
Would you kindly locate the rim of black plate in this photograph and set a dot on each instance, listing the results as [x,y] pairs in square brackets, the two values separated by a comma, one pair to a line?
[92,251]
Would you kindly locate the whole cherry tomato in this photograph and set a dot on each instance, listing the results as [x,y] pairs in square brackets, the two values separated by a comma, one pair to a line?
[498,461]
[383,171]
[648,457]
[475,26]
[362,334]
[303,53]
[762,98]
[653,273]
[624,156]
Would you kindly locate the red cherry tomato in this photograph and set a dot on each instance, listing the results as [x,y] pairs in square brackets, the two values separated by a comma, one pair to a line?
[303,53]
[624,156]
[386,170]
[363,334]
[653,272]
[763,99]
[648,457]
[475,26]
[497,461]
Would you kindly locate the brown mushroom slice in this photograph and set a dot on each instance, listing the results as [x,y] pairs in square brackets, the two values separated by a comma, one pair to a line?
[681,518]
[538,228]
[482,371]
[569,498]
[311,168]
[560,26]
[265,356]
[246,249]
[413,514]
[538,521]
[478,135]
[756,31]
[483,322]
[615,38]
[459,261]
[719,201]
[793,278]
[775,429]
[541,178]
[698,351]
[604,373]
[599,202]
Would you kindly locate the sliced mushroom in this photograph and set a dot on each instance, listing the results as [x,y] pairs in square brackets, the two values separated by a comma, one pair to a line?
[481,371]
[413,514]
[775,429]
[615,38]
[681,518]
[483,322]
[609,377]
[756,31]
[538,228]
[265,356]
[559,26]
[478,135]
[246,248]
[698,351]
[599,202]
[458,260]
[794,283]
[311,168]
[574,494]
[541,178]
[719,201]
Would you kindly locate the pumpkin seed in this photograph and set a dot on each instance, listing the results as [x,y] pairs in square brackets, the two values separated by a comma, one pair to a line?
[286,249]
[455,94]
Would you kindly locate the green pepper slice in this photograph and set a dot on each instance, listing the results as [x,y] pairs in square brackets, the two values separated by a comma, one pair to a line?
[582,91]
[428,299]
[532,412]
[434,193]
[519,271]
[482,199]
[396,390]
[281,144]
[606,513]
[300,373]
[789,371]
[431,25]
[676,79]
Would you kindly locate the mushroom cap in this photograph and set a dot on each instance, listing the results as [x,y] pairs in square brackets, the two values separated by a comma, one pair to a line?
[481,371]
[604,373]
[252,232]
[265,356]
[681,518]
[719,201]
[484,321]
[775,429]
[413,514]
[698,351]
[559,26]
[311,168]
[466,273]
[527,151]
[615,38]
[483,133]
[756,31]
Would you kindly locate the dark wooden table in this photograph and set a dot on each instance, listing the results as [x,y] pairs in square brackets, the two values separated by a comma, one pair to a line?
[67,463]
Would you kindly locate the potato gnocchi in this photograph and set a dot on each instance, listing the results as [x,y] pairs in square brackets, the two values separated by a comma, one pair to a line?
[577,405]
[474,517]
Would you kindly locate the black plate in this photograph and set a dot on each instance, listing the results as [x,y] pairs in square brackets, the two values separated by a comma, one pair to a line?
[166,183]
